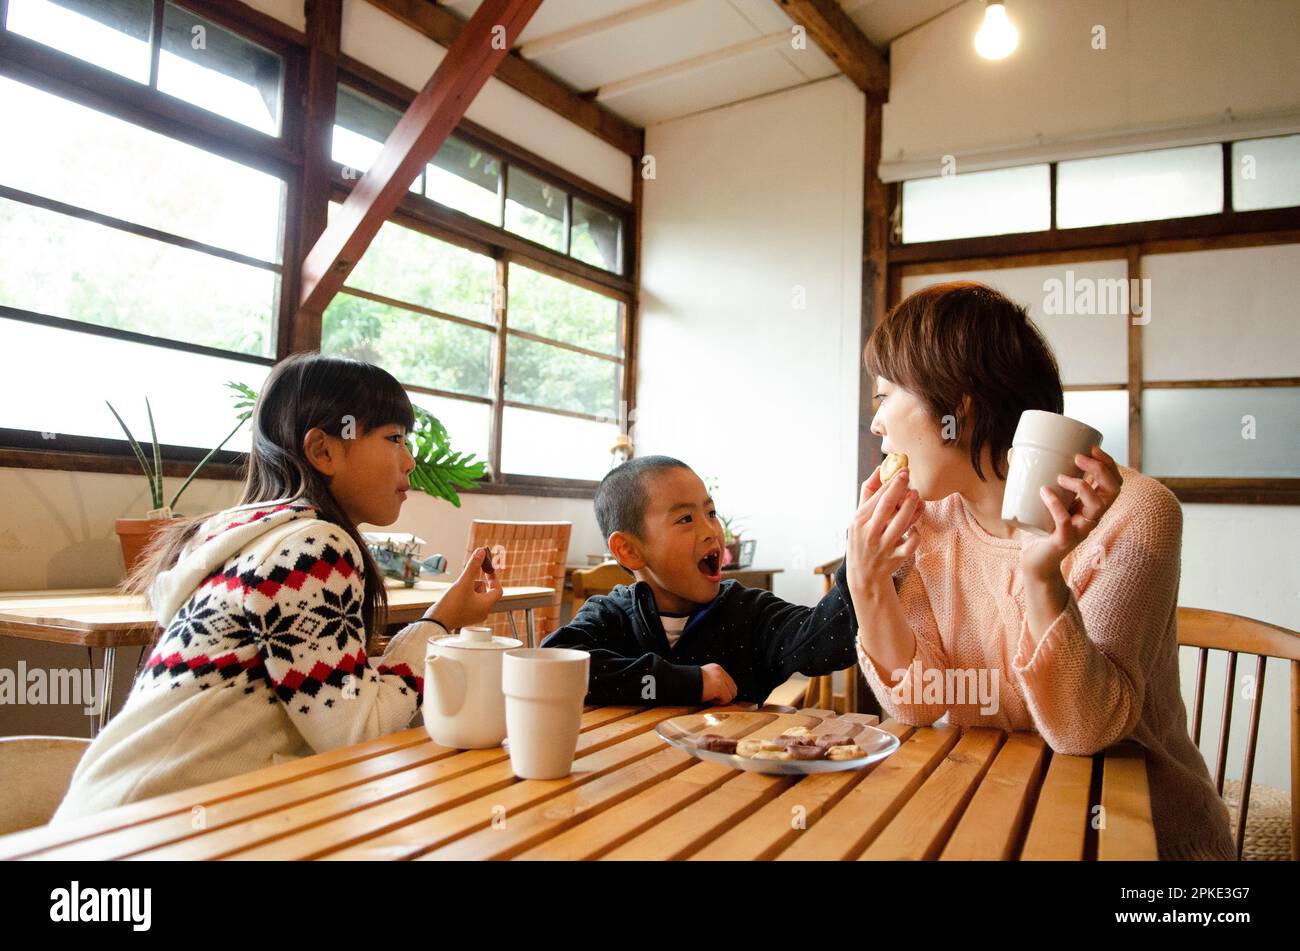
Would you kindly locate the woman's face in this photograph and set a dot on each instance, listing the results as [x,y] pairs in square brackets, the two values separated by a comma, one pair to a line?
[906,423]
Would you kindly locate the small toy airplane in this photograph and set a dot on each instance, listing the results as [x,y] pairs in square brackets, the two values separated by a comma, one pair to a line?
[398,556]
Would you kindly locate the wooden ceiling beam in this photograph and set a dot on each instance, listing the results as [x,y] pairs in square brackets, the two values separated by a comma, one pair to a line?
[841,40]
[479,48]
[443,27]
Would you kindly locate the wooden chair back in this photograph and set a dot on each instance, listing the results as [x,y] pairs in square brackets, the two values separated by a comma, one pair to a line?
[1215,630]
[525,553]
[37,772]
[602,579]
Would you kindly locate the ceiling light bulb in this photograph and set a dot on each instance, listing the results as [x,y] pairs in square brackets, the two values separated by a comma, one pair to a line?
[997,37]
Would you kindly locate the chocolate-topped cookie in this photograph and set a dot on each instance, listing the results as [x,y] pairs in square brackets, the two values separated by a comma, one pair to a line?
[715,743]
[806,751]
[833,739]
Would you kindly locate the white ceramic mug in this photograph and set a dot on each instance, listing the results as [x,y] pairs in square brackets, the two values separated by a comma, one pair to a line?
[544,688]
[1044,447]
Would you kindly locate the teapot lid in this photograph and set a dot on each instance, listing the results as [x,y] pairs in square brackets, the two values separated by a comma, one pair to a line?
[478,638]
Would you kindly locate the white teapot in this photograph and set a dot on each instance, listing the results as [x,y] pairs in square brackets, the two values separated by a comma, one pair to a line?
[464,705]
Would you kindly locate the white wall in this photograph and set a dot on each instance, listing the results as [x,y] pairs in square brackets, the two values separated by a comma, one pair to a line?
[1172,70]
[752,203]
[57,532]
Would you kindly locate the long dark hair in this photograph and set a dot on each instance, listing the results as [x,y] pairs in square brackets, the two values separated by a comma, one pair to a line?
[303,392]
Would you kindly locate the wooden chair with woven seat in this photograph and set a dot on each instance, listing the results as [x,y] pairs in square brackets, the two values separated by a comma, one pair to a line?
[525,554]
[1216,630]
[602,579]
[37,771]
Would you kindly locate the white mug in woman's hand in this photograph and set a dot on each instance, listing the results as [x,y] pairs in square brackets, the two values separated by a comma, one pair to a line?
[1043,448]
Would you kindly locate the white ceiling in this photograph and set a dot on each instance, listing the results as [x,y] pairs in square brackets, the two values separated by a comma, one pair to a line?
[670,58]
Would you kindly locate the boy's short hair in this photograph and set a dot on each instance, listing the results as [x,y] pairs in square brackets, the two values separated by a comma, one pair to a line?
[621,496]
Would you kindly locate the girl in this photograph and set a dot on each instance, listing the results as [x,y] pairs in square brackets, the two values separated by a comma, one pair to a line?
[1081,637]
[266,606]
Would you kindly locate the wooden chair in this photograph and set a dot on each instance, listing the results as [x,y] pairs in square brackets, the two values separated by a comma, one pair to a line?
[601,579]
[1215,630]
[820,692]
[525,553]
[37,771]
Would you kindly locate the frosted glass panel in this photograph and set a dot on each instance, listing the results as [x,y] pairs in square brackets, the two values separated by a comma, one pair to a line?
[1223,315]
[542,444]
[1104,410]
[1143,186]
[1004,201]
[112,36]
[1244,432]
[1076,306]
[1266,173]
[191,404]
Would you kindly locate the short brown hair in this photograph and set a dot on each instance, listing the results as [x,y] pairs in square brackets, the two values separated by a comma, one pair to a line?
[963,338]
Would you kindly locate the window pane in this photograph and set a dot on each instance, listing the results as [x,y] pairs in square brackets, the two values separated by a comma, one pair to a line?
[1143,186]
[560,379]
[467,179]
[66,267]
[114,36]
[216,70]
[562,447]
[415,348]
[562,311]
[597,237]
[361,126]
[535,209]
[191,404]
[1246,432]
[467,423]
[1105,411]
[412,267]
[1266,173]
[1004,201]
[68,152]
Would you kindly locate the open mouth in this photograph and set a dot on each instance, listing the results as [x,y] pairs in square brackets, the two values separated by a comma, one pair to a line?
[711,565]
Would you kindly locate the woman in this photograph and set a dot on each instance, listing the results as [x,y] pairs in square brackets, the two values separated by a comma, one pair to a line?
[1077,627]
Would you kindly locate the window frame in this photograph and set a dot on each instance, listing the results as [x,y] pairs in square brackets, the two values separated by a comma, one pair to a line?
[1130,241]
[285,156]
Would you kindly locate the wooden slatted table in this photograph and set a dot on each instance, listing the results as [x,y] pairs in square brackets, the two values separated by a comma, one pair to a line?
[108,619]
[944,794]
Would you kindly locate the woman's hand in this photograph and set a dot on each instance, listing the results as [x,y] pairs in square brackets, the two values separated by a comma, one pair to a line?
[471,597]
[1095,493]
[876,546]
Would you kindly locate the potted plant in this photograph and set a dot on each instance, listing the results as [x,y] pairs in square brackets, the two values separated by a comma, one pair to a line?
[135,534]
[731,533]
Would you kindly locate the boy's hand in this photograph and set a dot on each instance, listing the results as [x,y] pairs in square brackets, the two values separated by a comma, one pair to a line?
[471,597]
[718,685]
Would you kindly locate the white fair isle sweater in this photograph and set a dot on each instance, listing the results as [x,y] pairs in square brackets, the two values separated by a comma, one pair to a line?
[263,658]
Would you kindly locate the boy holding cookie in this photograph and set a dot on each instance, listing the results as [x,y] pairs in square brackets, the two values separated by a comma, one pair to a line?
[680,635]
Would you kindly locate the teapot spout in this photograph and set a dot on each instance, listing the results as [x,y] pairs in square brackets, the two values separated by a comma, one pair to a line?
[444,685]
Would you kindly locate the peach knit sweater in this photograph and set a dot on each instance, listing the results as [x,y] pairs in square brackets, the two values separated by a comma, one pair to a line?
[1105,671]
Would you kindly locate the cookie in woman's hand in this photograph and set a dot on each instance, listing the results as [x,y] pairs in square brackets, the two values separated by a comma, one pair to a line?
[893,462]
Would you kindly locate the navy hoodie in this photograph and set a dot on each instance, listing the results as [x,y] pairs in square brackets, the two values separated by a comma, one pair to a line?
[752,634]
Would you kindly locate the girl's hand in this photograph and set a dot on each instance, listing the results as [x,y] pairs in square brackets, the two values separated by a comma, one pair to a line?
[471,597]
[1095,493]
[876,546]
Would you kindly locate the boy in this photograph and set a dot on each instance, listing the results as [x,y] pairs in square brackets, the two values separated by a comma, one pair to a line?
[680,635]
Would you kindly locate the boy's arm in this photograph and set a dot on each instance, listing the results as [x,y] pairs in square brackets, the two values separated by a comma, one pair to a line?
[793,638]
[620,672]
